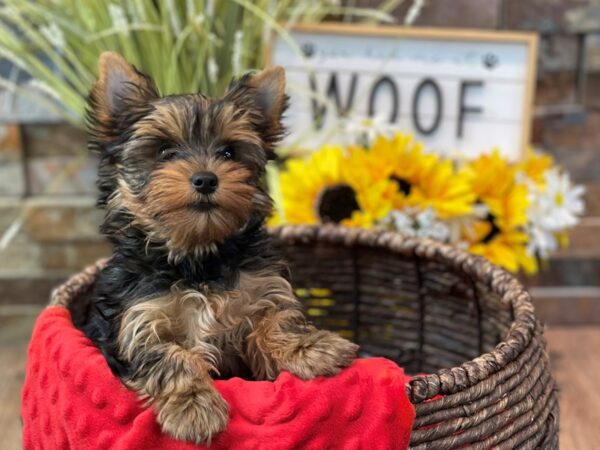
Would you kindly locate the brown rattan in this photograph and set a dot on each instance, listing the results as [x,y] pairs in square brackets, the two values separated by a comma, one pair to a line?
[434,310]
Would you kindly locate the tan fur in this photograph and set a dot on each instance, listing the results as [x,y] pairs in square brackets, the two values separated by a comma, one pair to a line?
[231,125]
[167,212]
[171,197]
[199,332]
[270,86]
[169,122]
[175,341]
[110,62]
[110,66]
[270,82]
[165,118]
[180,388]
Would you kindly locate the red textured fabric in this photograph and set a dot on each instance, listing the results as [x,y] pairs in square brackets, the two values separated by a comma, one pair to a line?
[71,400]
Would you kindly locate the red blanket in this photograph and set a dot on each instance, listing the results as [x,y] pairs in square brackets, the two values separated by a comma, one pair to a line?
[72,400]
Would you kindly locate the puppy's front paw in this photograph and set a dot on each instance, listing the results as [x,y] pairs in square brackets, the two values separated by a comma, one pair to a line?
[196,416]
[324,353]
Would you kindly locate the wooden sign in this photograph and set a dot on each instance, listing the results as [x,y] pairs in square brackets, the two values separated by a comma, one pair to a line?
[459,91]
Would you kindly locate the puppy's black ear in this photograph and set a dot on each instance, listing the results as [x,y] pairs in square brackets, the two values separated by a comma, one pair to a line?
[263,93]
[269,92]
[117,100]
[119,97]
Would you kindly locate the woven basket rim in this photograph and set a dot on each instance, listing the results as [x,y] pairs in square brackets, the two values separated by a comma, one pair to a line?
[498,280]
[421,387]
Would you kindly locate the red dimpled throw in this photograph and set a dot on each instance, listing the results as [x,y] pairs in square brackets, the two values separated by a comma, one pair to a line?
[71,400]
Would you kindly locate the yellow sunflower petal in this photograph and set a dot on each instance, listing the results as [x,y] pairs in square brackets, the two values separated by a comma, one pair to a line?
[535,165]
[304,182]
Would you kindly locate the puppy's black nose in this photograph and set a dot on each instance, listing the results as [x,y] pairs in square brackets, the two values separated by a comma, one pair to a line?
[205,182]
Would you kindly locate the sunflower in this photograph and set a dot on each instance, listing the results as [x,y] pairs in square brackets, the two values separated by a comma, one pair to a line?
[510,210]
[500,236]
[326,188]
[494,182]
[535,165]
[510,213]
[507,249]
[422,179]
[491,176]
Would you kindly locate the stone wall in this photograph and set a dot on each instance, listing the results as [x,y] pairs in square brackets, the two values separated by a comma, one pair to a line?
[47,198]
[58,223]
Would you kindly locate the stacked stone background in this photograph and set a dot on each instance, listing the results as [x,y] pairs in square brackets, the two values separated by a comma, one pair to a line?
[59,222]
[47,191]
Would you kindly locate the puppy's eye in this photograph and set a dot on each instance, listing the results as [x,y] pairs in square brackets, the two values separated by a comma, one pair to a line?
[227,153]
[166,152]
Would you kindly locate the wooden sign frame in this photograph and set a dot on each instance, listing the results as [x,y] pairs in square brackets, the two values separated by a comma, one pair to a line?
[530,40]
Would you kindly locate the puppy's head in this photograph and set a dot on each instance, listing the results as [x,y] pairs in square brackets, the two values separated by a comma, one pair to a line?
[187,167]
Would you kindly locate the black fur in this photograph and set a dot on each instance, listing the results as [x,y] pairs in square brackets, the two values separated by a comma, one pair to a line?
[108,135]
[135,272]
[138,270]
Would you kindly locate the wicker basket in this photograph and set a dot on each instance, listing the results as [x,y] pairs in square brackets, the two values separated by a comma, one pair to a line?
[434,309]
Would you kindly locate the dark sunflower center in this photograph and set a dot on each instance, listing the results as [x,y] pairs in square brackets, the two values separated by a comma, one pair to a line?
[337,203]
[403,185]
[494,230]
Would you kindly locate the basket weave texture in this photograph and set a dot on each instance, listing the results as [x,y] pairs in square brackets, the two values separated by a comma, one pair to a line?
[438,310]
[435,310]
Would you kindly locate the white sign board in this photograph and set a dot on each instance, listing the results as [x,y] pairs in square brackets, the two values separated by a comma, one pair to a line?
[460,92]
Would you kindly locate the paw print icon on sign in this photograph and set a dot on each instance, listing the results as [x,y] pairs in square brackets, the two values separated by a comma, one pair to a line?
[490,61]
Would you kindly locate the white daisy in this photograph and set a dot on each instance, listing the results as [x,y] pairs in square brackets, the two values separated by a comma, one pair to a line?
[541,242]
[363,130]
[559,204]
[420,223]
[552,209]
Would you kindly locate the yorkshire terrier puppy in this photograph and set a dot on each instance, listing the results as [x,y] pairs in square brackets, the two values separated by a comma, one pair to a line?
[194,289]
